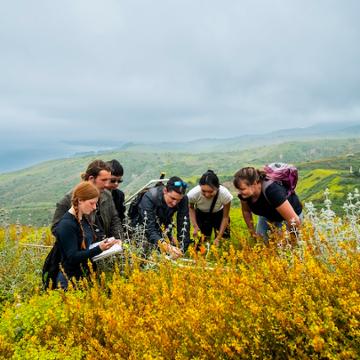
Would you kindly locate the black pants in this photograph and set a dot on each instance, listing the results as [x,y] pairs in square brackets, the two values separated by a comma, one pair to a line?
[209,221]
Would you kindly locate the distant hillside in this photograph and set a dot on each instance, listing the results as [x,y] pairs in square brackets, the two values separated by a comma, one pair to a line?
[341,175]
[23,155]
[329,131]
[30,194]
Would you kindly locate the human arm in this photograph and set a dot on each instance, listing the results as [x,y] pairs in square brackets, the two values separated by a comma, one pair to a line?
[247,215]
[119,199]
[116,229]
[69,237]
[192,214]
[153,230]
[110,217]
[288,213]
[193,196]
[123,207]
[147,209]
[224,223]
[277,197]
[182,227]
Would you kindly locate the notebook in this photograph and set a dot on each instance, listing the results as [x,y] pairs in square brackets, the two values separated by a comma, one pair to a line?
[115,249]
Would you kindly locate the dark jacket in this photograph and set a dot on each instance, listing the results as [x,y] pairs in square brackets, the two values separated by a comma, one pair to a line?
[110,220]
[69,237]
[154,213]
[119,199]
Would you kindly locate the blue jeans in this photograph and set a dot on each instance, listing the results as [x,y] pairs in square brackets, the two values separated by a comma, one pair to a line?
[263,227]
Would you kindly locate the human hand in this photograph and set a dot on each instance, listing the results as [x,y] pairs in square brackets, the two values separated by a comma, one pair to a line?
[252,233]
[174,251]
[195,231]
[108,243]
[256,237]
[217,241]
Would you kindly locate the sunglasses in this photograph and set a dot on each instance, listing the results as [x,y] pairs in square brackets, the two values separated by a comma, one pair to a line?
[181,183]
[113,181]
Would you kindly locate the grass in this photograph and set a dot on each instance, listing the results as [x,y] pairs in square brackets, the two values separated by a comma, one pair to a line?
[38,188]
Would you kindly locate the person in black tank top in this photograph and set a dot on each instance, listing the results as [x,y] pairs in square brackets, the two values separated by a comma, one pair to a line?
[272,204]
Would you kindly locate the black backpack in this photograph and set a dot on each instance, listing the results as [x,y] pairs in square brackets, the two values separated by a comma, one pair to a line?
[51,267]
[133,212]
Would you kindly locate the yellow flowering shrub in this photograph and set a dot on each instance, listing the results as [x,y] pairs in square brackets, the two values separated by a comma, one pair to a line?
[251,302]
[22,251]
[298,298]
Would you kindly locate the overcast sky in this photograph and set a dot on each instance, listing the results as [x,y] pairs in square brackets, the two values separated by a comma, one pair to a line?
[96,71]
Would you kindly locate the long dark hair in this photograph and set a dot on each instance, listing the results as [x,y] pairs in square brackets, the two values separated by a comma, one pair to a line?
[211,179]
[249,175]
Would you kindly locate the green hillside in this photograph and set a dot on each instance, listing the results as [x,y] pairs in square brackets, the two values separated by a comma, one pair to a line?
[334,174]
[30,195]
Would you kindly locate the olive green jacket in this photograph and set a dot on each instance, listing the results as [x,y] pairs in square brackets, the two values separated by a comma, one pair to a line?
[109,215]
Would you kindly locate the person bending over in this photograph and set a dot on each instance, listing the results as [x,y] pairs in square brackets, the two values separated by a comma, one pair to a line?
[268,199]
[209,207]
[156,210]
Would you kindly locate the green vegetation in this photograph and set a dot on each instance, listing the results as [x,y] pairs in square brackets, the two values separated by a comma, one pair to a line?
[296,298]
[30,195]
[334,174]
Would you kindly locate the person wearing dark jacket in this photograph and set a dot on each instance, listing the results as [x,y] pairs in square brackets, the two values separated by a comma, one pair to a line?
[157,208]
[74,234]
[105,219]
[117,173]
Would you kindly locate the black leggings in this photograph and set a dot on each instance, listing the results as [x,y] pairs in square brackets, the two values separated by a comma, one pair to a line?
[209,221]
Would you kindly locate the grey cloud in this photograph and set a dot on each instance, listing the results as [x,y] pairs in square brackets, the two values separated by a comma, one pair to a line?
[197,69]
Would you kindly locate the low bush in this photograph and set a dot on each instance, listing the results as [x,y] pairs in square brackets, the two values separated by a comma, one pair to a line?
[298,298]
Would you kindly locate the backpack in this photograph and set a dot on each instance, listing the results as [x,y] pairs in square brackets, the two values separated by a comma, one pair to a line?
[133,212]
[285,174]
[51,267]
